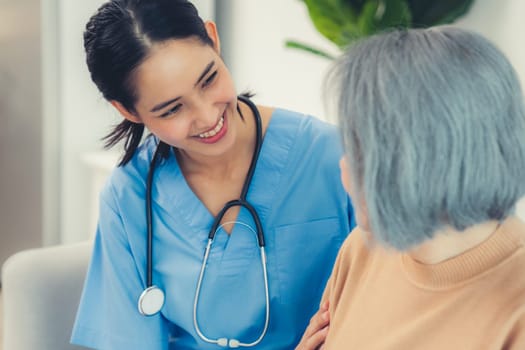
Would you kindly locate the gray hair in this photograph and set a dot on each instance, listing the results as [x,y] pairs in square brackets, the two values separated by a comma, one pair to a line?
[433,125]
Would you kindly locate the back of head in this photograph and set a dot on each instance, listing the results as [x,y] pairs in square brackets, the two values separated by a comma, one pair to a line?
[119,37]
[433,124]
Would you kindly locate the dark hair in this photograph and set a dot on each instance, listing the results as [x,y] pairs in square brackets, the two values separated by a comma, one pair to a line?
[117,40]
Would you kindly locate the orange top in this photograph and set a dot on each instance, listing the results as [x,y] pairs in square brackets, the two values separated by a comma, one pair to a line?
[383,299]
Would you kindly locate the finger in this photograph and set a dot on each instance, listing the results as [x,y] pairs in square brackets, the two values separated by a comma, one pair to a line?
[317,339]
[318,321]
[325,305]
[314,342]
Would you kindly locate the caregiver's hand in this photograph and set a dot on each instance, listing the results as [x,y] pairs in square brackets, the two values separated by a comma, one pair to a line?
[315,334]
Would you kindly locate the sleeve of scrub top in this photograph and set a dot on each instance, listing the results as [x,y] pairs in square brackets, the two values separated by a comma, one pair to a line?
[108,317]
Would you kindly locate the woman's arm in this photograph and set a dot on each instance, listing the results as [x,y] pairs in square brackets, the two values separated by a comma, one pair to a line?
[108,317]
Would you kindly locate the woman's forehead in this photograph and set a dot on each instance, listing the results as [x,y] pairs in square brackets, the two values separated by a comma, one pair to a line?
[174,66]
[175,57]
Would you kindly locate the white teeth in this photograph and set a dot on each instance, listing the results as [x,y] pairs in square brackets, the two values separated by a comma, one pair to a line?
[215,130]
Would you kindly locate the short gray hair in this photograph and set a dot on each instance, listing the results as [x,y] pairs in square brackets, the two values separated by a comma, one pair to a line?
[433,125]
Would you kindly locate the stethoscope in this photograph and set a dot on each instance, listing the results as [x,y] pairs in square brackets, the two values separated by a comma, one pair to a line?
[152,298]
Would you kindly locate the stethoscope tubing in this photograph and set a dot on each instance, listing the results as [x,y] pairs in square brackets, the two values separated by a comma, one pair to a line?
[242,202]
[149,217]
[250,208]
[225,342]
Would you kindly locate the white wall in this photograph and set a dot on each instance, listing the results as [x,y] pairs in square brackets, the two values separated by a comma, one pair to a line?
[20,127]
[206,8]
[50,154]
[74,119]
[260,62]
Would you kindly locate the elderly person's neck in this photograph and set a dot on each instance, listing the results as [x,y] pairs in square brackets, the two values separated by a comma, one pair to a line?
[448,242]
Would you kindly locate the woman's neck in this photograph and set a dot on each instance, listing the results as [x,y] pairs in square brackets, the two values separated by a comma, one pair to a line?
[448,243]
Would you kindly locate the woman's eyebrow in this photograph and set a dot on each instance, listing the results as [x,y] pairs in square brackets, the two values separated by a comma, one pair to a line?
[161,105]
[164,104]
[205,71]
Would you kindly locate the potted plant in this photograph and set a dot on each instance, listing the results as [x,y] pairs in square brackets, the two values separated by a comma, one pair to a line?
[343,21]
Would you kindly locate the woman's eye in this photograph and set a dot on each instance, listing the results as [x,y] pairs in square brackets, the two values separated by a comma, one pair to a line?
[171,111]
[210,79]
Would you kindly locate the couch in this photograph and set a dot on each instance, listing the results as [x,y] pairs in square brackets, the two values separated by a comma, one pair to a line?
[41,290]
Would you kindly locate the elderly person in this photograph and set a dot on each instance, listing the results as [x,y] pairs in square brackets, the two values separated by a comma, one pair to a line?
[433,126]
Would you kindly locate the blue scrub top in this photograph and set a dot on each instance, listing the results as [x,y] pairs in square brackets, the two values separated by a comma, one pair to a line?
[305,213]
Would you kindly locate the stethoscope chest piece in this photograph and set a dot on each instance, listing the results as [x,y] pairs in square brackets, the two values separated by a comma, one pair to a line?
[151,301]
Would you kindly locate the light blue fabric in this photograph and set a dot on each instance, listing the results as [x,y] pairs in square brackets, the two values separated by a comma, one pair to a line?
[306,216]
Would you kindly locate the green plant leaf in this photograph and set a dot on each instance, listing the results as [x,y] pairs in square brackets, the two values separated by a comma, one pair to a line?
[343,21]
[379,15]
[434,12]
[357,5]
[305,47]
[329,17]
[396,13]
[349,33]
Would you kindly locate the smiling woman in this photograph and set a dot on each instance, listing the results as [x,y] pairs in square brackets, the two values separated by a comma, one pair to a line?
[260,183]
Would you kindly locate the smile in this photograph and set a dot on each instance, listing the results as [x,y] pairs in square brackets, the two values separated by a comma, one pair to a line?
[213,131]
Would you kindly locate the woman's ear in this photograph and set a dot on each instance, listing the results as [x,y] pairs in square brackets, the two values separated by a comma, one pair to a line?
[125,112]
[211,29]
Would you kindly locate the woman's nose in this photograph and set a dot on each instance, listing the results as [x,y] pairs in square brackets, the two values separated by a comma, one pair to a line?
[205,115]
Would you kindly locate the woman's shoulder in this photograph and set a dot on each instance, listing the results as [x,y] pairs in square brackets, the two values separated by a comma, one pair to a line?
[133,174]
[302,136]
[306,128]
[352,256]
[303,119]
[356,244]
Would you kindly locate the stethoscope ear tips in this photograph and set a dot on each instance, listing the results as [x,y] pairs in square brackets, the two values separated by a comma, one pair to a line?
[151,301]
[228,343]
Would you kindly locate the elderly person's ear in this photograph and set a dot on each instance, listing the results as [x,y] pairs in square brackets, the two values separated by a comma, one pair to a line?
[343,165]
[358,200]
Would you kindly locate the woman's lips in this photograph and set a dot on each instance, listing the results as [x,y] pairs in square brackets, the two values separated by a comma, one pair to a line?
[216,133]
